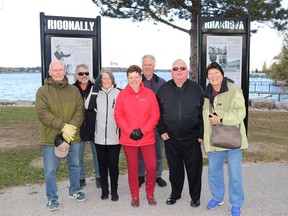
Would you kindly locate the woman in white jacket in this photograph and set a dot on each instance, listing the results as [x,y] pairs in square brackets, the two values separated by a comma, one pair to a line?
[106,132]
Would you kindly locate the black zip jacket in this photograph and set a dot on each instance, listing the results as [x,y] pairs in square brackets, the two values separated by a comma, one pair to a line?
[181,110]
[87,129]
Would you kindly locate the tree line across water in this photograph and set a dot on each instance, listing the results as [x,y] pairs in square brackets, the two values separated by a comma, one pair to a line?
[38,69]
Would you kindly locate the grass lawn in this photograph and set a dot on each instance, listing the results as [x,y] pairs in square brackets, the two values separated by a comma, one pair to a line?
[20,153]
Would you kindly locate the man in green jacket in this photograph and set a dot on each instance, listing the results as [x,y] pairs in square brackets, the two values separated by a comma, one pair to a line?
[60,110]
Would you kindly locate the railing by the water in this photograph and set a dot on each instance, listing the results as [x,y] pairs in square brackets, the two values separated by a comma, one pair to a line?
[268,89]
[269,94]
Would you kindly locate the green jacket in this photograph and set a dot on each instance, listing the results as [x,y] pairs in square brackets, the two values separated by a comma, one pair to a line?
[57,104]
[229,105]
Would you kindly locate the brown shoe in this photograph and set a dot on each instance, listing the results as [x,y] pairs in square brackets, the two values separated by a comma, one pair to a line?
[151,200]
[135,202]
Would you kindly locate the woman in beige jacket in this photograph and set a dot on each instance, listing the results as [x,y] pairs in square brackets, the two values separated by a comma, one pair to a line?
[227,108]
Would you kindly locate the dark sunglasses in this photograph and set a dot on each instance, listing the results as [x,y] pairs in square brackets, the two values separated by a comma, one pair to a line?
[178,68]
[82,73]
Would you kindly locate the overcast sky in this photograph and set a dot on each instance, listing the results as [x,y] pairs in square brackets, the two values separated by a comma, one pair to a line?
[123,42]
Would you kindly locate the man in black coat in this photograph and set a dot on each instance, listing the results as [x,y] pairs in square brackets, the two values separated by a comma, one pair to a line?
[181,128]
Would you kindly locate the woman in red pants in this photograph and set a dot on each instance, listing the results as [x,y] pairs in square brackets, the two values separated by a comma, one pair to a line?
[137,114]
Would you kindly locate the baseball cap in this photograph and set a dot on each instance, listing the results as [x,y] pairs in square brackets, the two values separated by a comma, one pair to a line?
[61,146]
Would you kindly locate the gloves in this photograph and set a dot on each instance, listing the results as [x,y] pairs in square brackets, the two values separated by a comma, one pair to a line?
[68,132]
[136,134]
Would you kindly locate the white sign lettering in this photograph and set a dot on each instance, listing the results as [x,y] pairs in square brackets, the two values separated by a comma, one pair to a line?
[70,25]
[236,25]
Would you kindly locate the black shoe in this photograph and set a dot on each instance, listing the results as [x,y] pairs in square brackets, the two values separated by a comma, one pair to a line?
[82,183]
[98,183]
[195,203]
[141,180]
[171,201]
[161,182]
[104,197]
[114,197]
[105,194]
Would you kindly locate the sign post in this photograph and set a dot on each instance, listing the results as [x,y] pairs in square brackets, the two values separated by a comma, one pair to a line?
[225,40]
[72,40]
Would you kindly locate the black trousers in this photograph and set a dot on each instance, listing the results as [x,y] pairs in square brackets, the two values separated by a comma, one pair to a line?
[108,160]
[181,155]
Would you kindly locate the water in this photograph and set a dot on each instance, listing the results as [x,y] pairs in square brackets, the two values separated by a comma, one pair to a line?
[23,86]
[19,86]
[266,84]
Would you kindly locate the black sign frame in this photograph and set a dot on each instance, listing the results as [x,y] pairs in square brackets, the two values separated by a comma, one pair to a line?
[74,29]
[226,28]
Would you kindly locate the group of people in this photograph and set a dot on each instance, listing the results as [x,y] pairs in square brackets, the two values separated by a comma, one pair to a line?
[146,115]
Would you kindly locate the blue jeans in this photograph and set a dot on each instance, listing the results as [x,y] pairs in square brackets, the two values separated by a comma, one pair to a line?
[216,176]
[95,160]
[51,163]
[159,158]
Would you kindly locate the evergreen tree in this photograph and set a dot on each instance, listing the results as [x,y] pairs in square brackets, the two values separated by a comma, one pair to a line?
[279,69]
[264,67]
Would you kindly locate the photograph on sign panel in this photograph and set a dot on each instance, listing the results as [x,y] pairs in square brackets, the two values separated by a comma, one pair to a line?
[227,51]
[72,51]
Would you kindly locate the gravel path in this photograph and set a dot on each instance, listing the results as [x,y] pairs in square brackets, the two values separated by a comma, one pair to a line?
[265,185]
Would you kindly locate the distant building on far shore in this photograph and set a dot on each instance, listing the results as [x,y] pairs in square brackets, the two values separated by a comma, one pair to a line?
[20,69]
[258,74]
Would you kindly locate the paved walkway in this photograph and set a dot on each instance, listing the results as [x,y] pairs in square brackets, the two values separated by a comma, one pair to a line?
[265,185]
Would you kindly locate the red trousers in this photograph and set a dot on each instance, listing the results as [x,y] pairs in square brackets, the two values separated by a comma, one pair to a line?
[149,156]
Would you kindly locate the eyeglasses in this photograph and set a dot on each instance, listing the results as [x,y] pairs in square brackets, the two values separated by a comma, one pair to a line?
[82,73]
[178,68]
[60,70]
